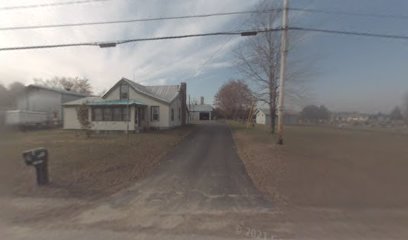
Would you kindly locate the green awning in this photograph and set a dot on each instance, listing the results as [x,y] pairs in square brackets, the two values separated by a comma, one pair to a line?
[117,103]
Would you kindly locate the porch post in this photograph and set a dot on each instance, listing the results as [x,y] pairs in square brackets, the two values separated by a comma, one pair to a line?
[129,117]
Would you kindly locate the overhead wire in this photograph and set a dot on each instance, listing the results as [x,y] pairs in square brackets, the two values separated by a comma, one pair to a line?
[133,20]
[114,43]
[54,4]
[346,13]
[242,33]
[354,33]
[216,52]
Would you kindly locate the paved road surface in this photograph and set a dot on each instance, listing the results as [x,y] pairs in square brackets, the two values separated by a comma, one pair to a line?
[200,191]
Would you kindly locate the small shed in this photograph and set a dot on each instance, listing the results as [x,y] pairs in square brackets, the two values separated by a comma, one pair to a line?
[263,116]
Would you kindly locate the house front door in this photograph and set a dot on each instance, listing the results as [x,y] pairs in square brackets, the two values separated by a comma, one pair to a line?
[137,117]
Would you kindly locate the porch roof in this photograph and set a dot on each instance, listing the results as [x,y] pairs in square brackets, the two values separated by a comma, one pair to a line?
[98,101]
[117,103]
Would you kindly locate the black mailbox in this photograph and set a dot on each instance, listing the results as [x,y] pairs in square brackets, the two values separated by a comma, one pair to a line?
[39,159]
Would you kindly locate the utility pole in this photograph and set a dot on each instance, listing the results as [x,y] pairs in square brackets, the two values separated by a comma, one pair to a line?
[282,72]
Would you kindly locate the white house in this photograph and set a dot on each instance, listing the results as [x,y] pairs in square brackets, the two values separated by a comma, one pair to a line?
[263,116]
[132,106]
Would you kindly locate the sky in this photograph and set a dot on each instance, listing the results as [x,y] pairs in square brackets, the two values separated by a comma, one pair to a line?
[348,73]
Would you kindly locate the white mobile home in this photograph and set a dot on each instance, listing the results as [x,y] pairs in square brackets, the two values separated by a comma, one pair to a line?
[40,105]
[132,106]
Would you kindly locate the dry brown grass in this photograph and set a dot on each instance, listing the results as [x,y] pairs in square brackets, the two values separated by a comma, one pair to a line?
[82,167]
[328,167]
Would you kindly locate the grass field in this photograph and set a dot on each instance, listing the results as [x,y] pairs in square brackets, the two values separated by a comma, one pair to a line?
[79,166]
[328,167]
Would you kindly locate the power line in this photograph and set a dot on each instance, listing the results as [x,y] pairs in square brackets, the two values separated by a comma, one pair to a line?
[209,59]
[355,14]
[55,4]
[182,17]
[114,43]
[364,34]
[134,20]
[242,33]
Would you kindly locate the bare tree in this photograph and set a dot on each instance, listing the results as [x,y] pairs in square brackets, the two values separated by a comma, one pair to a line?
[315,114]
[259,60]
[4,97]
[396,114]
[76,84]
[8,98]
[234,99]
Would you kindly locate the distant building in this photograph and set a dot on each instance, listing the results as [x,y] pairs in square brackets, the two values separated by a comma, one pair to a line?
[201,111]
[349,117]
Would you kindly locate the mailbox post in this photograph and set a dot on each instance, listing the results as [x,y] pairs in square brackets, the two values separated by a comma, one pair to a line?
[39,159]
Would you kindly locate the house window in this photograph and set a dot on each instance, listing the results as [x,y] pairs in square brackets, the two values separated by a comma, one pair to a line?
[117,114]
[172,114]
[155,113]
[142,114]
[97,114]
[125,115]
[124,91]
[179,114]
[107,114]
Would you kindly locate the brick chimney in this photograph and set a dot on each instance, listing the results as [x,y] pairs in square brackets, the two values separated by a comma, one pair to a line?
[202,100]
[183,94]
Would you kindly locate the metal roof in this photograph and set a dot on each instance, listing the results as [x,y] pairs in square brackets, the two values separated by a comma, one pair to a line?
[56,90]
[98,101]
[201,108]
[166,93]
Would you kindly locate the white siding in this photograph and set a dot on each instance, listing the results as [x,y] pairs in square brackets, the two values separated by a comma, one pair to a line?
[70,118]
[41,100]
[261,118]
[44,100]
[164,118]
[176,105]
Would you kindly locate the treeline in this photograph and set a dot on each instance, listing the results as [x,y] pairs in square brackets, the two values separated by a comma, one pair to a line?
[234,100]
[9,94]
[315,114]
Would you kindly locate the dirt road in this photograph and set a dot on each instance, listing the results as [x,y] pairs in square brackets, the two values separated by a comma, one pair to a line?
[200,191]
